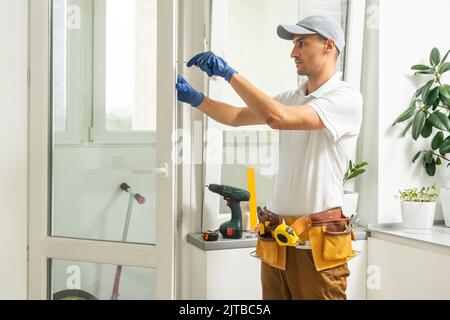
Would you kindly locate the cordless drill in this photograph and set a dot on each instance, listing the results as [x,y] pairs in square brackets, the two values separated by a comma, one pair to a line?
[233,196]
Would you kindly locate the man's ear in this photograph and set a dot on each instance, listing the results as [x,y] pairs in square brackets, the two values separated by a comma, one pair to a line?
[330,45]
[330,49]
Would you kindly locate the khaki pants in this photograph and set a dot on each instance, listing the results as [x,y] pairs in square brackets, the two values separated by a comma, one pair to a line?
[301,281]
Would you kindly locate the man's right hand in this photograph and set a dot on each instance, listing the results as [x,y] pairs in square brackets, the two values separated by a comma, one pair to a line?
[188,94]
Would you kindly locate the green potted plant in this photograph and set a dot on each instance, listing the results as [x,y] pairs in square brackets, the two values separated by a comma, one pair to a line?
[418,208]
[429,111]
[351,197]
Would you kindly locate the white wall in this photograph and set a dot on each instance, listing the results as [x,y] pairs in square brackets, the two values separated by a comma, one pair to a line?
[408,32]
[13,146]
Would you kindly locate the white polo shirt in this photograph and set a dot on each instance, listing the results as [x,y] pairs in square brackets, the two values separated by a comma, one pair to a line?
[312,163]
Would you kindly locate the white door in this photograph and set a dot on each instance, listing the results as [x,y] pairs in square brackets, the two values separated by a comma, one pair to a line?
[102,112]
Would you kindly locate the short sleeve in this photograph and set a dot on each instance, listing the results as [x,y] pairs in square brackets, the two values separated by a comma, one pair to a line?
[340,110]
[286,97]
[280,97]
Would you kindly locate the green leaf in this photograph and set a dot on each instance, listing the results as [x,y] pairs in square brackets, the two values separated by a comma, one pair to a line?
[430,168]
[435,105]
[437,140]
[431,97]
[435,57]
[445,57]
[416,156]
[444,68]
[428,158]
[427,129]
[418,123]
[420,67]
[444,90]
[440,121]
[444,148]
[420,90]
[355,174]
[424,72]
[445,101]
[438,161]
[361,165]
[407,128]
[426,89]
[405,115]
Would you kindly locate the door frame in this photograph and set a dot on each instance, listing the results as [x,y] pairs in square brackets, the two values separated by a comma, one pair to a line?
[41,246]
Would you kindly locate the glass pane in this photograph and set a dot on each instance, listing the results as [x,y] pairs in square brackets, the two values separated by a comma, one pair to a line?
[59,64]
[336,9]
[87,201]
[130,71]
[85,280]
[243,149]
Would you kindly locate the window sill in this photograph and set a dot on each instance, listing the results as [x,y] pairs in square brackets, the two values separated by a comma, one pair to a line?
[439,235]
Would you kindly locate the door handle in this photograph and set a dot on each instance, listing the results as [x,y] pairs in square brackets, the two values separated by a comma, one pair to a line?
[161,171]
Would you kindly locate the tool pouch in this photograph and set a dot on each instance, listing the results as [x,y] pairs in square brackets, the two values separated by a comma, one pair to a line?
[268,250]
[337,244]
[331,245]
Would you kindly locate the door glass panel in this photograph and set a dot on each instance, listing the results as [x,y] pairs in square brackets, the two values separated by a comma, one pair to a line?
[130,57]
[59,65]
[81,280]
[86,198]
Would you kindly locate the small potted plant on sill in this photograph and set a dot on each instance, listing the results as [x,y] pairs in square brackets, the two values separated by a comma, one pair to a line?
[418,208]
[351,197]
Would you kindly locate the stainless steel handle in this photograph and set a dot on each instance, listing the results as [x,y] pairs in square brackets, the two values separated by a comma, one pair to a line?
[162,171]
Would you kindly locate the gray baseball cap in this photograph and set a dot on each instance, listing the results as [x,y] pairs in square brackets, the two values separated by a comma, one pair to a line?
[324,26]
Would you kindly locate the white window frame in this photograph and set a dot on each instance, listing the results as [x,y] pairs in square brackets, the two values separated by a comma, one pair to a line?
[42,246]
[212,217]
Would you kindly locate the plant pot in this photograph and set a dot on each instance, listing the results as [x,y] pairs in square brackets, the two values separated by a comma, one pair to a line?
[418,217]
[350,203]
[444,197]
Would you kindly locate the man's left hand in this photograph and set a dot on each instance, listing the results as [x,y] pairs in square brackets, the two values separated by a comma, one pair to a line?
[212,64]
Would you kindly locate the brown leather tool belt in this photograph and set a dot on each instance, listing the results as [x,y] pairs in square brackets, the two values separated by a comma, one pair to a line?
[326,233]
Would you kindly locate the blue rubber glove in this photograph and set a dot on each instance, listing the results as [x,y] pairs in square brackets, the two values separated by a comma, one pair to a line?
[212,64]
[185,93]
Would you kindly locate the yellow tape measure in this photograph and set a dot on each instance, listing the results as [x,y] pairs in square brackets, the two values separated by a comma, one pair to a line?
[285,236]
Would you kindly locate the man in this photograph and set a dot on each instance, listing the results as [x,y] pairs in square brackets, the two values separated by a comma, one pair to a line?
[319,124]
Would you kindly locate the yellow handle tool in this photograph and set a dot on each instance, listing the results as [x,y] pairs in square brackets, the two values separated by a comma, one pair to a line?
[252,201]
[285,236]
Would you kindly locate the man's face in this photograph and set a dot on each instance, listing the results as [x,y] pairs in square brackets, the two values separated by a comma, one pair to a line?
[309,53]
